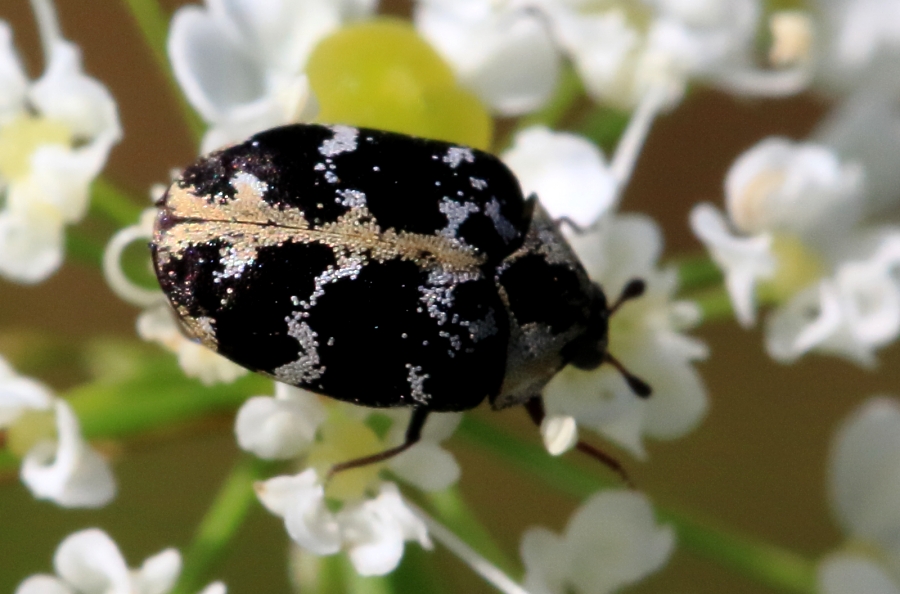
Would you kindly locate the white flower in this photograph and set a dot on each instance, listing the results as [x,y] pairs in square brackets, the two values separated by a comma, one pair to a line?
[505,55]
[89,562]
[851,314]
[646,335]
[61,468]
[426,465]
[859,40]
[55,135]
[280,427]
[796,231]
[566,171]
[157,322]
[864,491]
[610,542]
[509,51]
[241,63]
[846,573]
[745,260]
[67,471]
[372,531]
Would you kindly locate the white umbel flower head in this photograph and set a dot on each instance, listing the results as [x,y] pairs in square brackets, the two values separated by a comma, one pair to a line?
[509,51]
[864,488]
[55,135]
[241,64]
[89,562]
[796,232]
[611,541]
[372,531]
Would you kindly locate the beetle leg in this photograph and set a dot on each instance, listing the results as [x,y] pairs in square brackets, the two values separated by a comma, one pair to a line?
[413,434]
[535,408]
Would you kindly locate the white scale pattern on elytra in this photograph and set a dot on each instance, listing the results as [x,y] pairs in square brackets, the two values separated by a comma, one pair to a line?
[416,381]
[306,368]
[343,141]
[351,198]
[478,184]
[456,214]
[457,154]
[501,223]
[347,267]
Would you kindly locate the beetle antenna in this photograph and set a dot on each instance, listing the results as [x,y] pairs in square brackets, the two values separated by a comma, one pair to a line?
[637,385]
[535,408]
[635,288]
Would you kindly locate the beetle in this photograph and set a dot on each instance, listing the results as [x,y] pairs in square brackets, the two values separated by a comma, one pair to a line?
[379,269]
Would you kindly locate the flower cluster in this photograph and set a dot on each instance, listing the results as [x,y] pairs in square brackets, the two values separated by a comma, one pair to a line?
[55,135]
[802,241]
[57,464]
[89,562]
[807,228]
[510,53]
[242,65]
[373,521]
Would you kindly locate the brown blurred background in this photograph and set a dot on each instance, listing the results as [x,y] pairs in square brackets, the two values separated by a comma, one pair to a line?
[756,465]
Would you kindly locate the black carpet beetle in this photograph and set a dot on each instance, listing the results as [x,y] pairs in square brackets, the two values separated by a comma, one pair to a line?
[379,269]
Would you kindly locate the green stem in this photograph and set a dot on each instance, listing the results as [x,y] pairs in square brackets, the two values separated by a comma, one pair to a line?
[221,523]
[83,247]
[113,204]
[697,272]
[153,25]
[767,564]
[452,510]
[714,303]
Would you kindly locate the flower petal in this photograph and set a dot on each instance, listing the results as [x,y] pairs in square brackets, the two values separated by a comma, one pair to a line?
[69,473]
[13,82]
[616,542]
[505,56]
[376,530]
[427,466]
[850,574]
[744,260]
[864,482]
[31,244]
[66,94]
[567,172]
[18,394]
[158,573]
[43,584]
[281,427]
[300,500]
[90,561]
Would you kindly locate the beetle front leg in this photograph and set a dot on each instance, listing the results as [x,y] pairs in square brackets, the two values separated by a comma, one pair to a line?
[413,435]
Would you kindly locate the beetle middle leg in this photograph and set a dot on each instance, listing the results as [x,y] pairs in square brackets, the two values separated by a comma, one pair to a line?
[535,408]
[413,435]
